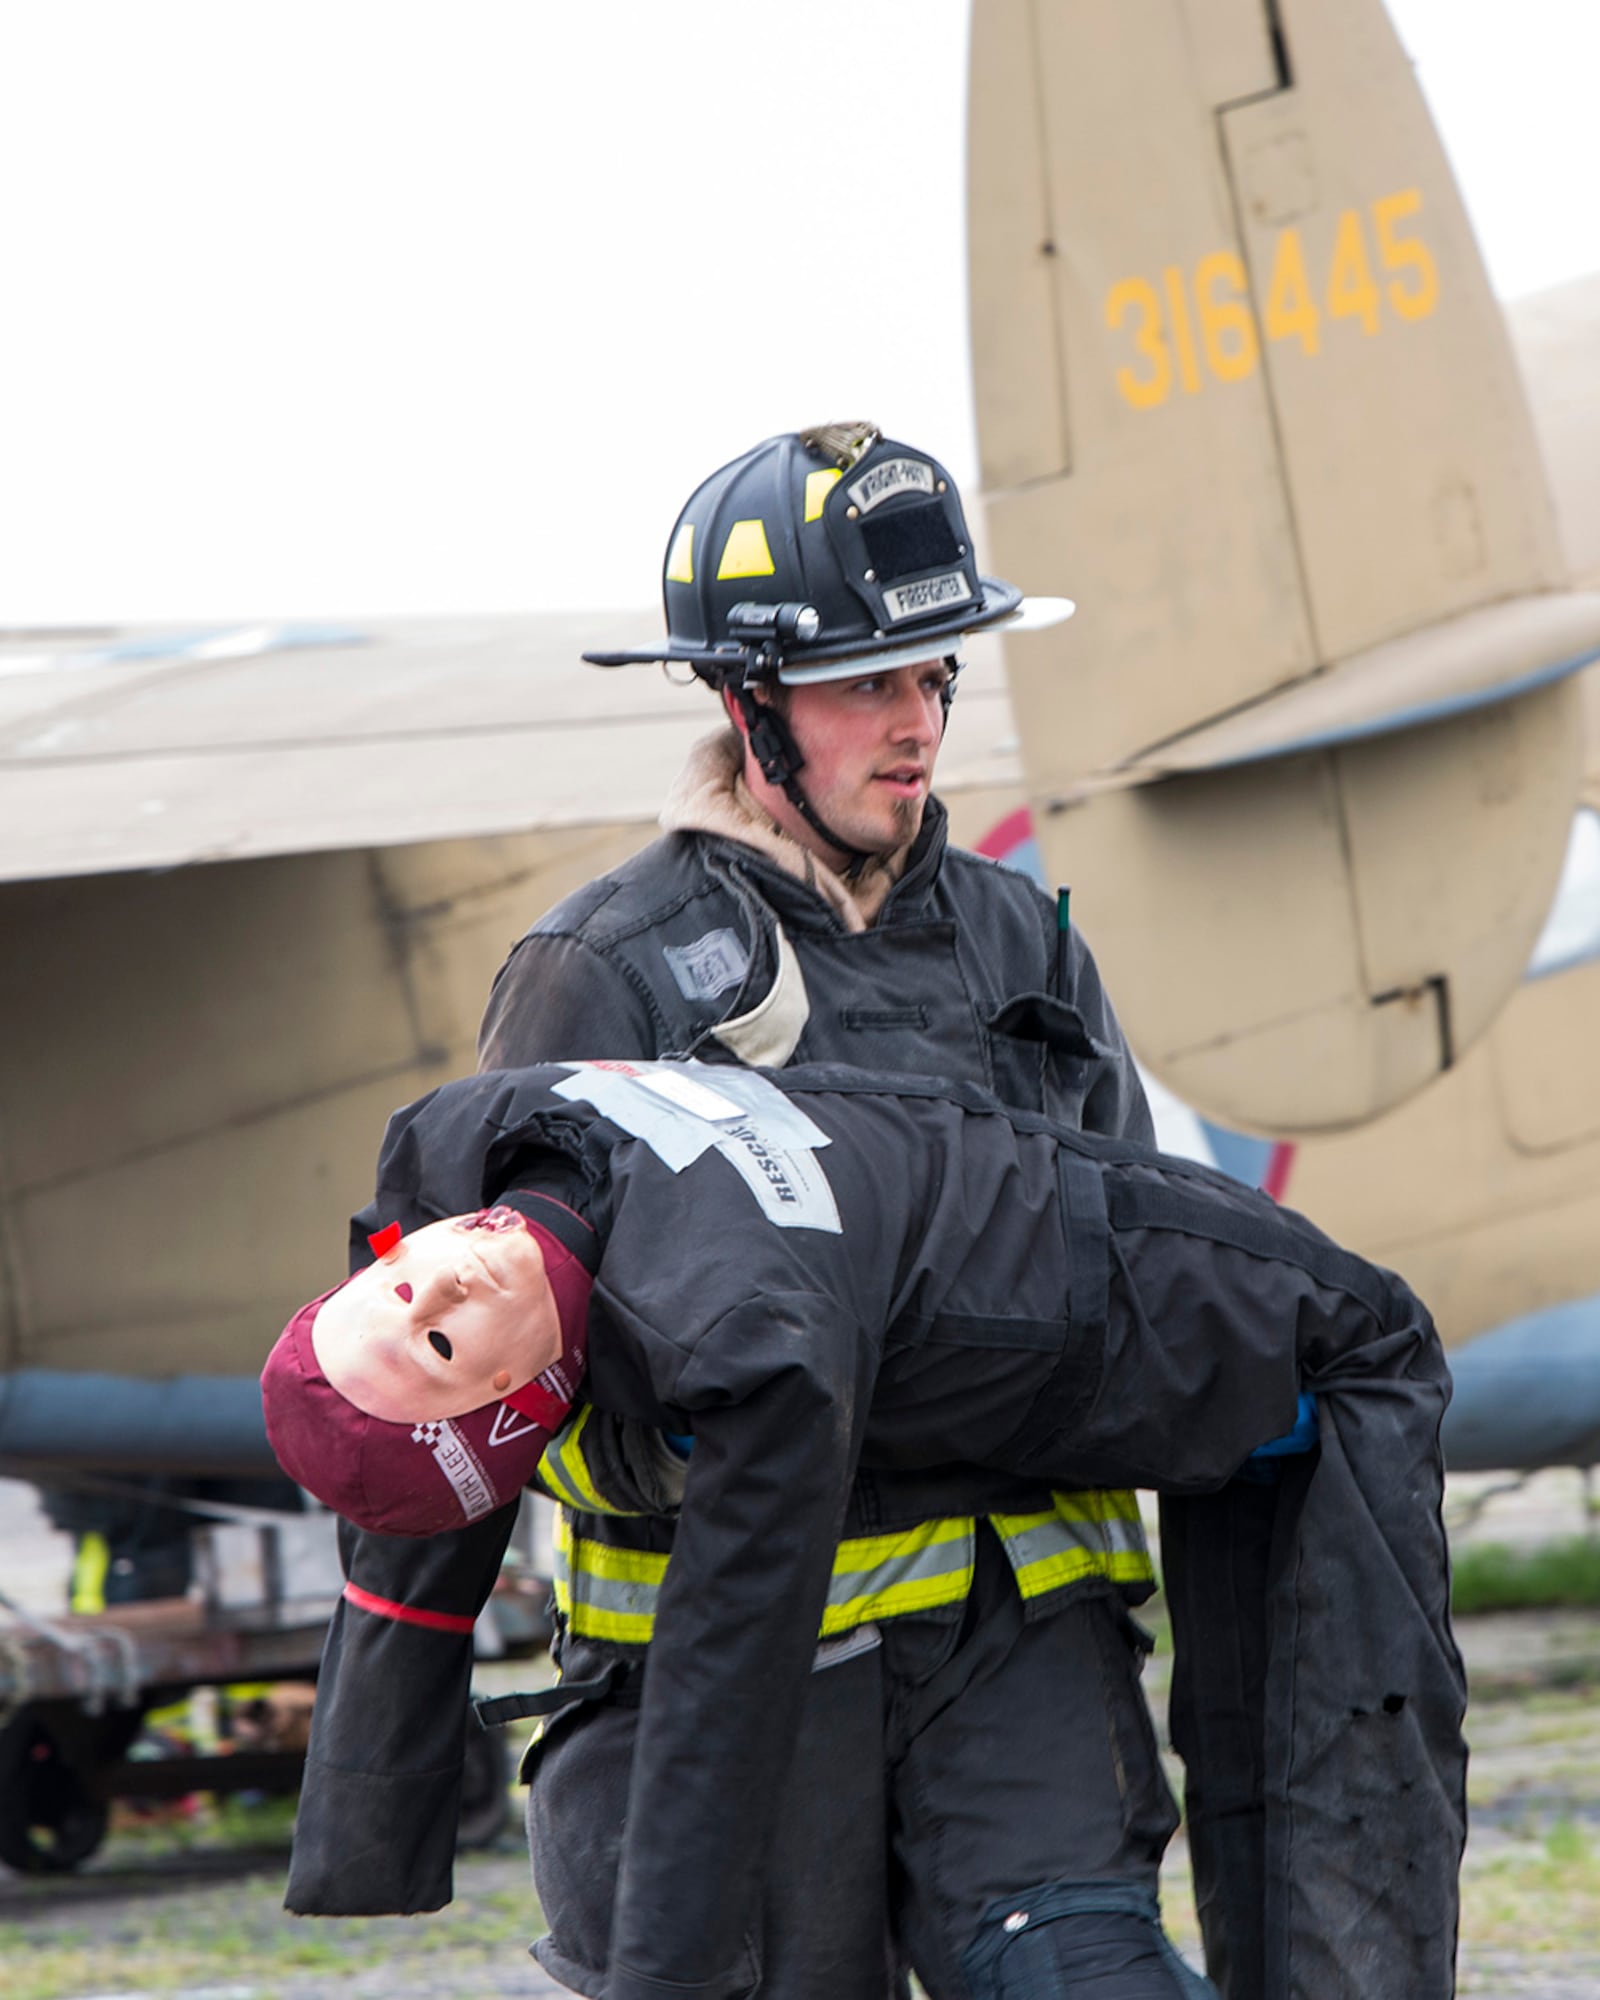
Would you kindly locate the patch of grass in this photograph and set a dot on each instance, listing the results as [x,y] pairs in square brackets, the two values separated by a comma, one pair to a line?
[166,1957]
[1543,1900]
[52,1972]
[312,1949]
[1555,1575]
[238,1820]
[44,1975]
[500,1916]
[172,1936]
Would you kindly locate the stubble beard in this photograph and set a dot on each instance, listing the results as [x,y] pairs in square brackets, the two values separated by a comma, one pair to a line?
[907,821]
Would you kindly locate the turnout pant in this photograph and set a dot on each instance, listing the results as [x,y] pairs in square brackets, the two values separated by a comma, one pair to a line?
[951,1778]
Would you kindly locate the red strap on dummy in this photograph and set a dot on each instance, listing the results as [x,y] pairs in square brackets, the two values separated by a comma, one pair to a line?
[405,1614]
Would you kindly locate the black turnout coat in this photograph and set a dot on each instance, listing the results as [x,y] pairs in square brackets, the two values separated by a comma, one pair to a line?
[809,1266]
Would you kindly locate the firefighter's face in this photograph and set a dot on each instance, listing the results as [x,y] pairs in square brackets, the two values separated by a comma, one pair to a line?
[453,1317]
[870,745]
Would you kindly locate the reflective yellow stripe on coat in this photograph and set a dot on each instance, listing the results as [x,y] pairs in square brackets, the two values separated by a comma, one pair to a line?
[1087,1534]
[610,1593]
[565,1470]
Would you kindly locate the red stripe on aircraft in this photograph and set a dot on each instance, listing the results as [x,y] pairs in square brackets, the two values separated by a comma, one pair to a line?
[1005,834]
[1276,1178]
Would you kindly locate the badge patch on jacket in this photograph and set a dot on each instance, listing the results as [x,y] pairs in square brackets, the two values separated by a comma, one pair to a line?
[683,1109]
[709,966]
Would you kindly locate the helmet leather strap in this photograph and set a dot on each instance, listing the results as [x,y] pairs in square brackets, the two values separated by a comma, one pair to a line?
[781,760]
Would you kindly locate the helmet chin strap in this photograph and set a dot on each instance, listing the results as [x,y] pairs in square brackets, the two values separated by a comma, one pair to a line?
[781,761]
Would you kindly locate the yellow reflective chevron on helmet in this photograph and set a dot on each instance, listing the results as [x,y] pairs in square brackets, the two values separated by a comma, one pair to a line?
[818,486]
[745,552]
[680,557]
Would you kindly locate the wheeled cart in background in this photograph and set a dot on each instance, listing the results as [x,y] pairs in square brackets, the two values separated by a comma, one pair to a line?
[75,1691]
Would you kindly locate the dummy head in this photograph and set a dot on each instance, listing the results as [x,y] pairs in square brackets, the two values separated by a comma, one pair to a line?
[449,1318]
[420,1394]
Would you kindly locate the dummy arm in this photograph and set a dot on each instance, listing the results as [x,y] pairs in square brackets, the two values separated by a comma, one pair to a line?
[375,1833]
[776,1391]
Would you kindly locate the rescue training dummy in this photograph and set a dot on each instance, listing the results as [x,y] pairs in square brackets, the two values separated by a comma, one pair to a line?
[809,1267]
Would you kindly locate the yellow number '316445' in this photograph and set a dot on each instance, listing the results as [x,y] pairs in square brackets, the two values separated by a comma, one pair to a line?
[1203,324]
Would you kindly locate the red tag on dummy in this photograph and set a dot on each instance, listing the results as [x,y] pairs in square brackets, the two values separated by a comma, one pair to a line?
[384,1241]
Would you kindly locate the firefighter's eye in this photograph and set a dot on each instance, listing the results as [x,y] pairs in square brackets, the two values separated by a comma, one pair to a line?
[440,1343]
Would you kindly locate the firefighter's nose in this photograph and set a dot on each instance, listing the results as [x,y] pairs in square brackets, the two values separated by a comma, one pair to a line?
[918,718]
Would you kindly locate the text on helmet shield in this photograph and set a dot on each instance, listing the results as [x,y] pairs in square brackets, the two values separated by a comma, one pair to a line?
[932,593]
[883,482]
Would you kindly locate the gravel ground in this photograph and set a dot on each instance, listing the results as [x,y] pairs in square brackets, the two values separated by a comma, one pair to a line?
[184,1910]
[174,1926]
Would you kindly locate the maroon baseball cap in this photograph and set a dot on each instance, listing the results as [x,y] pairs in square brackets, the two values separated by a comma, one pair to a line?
[423,1478]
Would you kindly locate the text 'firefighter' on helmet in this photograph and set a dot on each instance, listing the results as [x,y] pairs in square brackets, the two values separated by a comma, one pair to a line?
[819,555]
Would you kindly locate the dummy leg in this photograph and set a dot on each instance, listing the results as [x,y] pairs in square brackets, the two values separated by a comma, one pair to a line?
[1214,1309]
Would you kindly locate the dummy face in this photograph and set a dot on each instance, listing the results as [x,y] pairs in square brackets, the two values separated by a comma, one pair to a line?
[870,746]
[453,1317]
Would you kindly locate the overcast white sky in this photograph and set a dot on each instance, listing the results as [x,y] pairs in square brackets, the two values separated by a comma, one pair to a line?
[321,307]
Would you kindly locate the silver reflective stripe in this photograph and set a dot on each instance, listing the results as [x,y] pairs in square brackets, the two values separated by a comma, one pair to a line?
[1095,1538]
[607,1593]
[1088,1534]
[633,1599]
[911,1565]
[848,1646]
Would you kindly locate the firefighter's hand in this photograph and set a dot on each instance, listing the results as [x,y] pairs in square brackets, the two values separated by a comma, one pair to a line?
[1261,1466]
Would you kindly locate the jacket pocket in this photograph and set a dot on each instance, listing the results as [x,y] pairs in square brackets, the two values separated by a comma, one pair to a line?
[1042,1055]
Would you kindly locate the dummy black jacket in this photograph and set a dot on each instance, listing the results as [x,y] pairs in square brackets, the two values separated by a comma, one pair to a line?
[810,1266]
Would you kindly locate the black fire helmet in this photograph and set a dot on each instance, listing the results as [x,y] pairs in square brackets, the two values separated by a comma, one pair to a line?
[820,555]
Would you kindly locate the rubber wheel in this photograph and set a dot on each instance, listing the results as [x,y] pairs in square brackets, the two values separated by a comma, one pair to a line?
[485,1786]
[49,1819]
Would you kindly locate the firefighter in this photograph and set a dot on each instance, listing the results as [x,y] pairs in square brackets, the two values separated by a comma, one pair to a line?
[804,903]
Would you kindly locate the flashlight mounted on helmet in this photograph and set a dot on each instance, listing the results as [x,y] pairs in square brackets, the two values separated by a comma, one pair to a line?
[763,630]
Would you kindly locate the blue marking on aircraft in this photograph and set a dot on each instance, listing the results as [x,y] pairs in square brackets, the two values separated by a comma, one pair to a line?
[1528,1394]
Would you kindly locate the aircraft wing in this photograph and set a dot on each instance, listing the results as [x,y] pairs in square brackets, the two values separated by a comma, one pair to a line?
[156,748]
